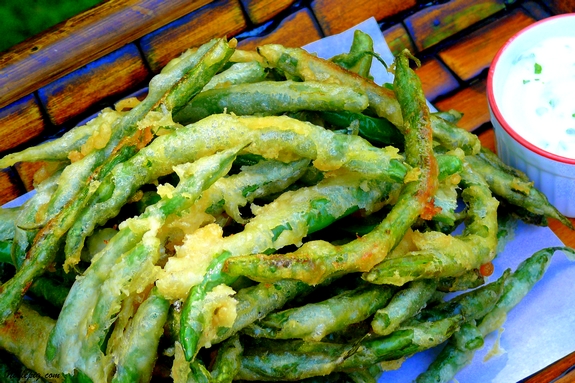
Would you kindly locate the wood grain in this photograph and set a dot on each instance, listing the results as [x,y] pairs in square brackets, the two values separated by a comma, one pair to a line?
[295,30]
[436,79]
[398,39]
[260,11]
[474,53]
[335,16]
[472,102]
[104,79]
[9,188]
[20,122]
[435,24]
[218,19]
[82,39]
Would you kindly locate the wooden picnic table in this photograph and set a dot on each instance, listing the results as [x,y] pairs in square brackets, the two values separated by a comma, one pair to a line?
[52,81]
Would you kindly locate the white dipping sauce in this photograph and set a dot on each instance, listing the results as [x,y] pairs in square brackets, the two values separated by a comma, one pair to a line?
[538,99]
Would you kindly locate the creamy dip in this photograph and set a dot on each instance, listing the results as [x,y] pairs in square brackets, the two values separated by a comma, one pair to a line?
[538,99]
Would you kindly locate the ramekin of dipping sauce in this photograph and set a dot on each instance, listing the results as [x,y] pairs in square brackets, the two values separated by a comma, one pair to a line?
[531,98]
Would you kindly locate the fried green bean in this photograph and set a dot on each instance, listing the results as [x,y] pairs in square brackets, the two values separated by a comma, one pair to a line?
[314,321]
[359,57]
[273,137]
[257,301]
[238,73]
[460,350]
[65,345]
[283,222]
[227,361]
[272,97]
[378,131]
[405,304]
[24,335]
[472,305]
[164,91]
[59,149]
[441,255]
[293,360]
[136,359]
[457,353]
[315,261]
[515,190]
[301,64]
[452,137]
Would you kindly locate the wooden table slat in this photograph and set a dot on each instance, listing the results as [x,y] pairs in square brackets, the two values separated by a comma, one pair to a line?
[437,23]
[81,40]
[473,54]
[86,88]
[260,11]
[335,16]
[20,122]
[220,18]
[288,32]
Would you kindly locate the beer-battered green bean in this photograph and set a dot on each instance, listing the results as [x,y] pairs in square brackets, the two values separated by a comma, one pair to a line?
[283,222]
[294,360]
[452,137]
[227,361]
[136,358]
[301,64]
[378,131]
[73,326]
[272,97]
[59,149]
[460,350]
[405,304]
[272,137]
[238,73]
[441,255]
[24,335]
[316,261]
[359,57]
[314,321]
[515,189]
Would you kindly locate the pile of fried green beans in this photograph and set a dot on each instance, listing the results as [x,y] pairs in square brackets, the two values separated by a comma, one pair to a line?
[261,215]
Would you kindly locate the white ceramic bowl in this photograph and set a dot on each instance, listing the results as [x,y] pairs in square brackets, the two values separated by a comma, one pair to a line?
[553,174]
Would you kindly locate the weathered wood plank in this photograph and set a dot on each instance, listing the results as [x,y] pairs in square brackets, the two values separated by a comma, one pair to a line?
[436,79]
[474,53]
[9,188]
[295,30]
[101,80]
[436,23]
[217,19]
[82,39]
[398,39]
[472,102]
[561,6]
[20,122]
[335,16]
[260,11]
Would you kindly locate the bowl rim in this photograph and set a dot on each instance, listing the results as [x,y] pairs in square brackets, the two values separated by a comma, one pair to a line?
[495,108]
